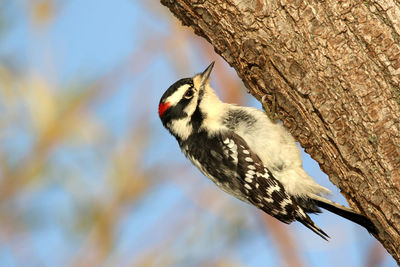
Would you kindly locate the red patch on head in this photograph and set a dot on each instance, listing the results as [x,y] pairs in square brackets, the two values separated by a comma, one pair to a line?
[162,108]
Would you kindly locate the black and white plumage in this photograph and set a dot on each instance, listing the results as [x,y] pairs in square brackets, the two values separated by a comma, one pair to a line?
[245,154]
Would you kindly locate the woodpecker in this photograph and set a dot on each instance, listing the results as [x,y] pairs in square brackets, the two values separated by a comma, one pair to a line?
[246,154]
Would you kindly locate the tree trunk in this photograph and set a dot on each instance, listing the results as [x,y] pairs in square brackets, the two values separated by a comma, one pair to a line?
[334,67]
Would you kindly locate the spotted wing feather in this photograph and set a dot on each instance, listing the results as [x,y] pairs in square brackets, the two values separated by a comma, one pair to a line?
[229,162]
[261,188]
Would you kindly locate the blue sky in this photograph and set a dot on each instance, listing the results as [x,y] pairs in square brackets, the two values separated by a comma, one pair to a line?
[125,41]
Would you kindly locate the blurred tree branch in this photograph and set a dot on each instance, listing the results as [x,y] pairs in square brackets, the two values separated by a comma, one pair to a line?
[334,68]
[284,241]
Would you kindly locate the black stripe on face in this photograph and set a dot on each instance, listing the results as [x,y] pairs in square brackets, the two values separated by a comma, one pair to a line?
[172,89]
[177,111]
[198,116]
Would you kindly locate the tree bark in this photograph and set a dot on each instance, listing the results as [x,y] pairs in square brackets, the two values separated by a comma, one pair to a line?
[334,67]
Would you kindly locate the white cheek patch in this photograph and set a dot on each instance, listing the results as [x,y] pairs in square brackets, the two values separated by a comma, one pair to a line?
[181,128]
[177,96]
[191,107]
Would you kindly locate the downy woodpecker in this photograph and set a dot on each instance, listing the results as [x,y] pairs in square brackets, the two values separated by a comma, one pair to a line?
[246,154]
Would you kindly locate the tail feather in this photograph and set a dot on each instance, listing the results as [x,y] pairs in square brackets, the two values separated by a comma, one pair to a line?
[345,212]
[307,222]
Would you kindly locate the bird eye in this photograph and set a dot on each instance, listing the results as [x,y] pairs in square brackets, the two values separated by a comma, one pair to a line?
[189,93]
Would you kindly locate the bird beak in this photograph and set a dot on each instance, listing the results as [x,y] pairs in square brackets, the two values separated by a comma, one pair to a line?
[206,74]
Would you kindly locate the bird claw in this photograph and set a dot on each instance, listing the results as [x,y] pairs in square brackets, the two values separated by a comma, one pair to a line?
[270,111]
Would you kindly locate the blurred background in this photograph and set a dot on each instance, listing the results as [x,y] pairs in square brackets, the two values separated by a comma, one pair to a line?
[88,175]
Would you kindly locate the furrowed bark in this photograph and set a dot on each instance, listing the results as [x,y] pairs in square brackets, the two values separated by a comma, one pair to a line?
[334,67]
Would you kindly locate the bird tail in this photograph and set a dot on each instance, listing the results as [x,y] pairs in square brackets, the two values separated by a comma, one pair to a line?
[307,222]
[344,212]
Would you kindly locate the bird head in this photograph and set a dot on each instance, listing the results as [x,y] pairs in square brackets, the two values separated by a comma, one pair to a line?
[179,103]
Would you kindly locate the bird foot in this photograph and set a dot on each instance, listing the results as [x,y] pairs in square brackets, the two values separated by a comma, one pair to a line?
[270,111]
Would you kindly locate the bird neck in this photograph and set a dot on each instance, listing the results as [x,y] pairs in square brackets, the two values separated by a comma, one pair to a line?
[212,110]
